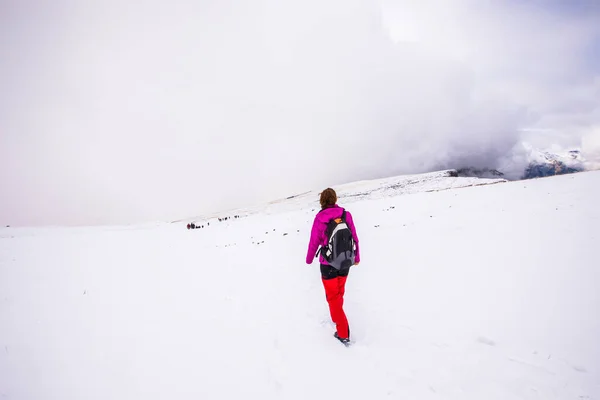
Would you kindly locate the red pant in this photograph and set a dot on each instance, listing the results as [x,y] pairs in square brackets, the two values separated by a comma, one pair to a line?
[334,292]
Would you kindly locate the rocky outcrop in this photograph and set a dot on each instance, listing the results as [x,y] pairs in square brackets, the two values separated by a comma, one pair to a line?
[548,164]
[479,173]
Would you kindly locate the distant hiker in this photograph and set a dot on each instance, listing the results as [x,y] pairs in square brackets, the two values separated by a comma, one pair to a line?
[333,230]
[189,226]
[193,226]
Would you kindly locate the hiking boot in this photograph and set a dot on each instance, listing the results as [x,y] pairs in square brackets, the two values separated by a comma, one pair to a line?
[346,341]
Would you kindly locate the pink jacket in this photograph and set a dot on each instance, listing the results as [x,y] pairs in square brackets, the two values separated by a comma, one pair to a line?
[317,234]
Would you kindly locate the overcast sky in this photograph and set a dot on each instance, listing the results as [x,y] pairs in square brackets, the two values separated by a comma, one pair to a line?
[122,112]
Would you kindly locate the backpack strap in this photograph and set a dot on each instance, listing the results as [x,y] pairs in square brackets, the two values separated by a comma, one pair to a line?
[343,215]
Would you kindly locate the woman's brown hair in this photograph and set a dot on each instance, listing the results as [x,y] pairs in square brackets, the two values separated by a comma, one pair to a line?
[328,198]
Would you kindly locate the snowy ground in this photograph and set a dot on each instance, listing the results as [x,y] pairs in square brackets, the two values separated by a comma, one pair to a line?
[362,190]
[487,292]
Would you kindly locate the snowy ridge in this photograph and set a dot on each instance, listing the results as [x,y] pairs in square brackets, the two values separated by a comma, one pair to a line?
[365,190]
[570,158]
[555,162]
[463,294]
[528,162]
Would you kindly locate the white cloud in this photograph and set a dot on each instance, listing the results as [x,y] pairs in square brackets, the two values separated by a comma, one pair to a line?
[123,112]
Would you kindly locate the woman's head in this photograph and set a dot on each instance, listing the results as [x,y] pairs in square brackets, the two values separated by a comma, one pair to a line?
[328,198]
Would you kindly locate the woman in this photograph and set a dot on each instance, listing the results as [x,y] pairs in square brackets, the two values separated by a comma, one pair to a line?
[334,280]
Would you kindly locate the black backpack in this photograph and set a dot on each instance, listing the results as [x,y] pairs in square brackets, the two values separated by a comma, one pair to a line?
[341,248]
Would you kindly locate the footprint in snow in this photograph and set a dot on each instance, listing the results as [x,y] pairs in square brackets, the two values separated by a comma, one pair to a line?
[486,341]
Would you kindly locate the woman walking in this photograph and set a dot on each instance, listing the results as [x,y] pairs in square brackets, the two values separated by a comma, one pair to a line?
[335,256]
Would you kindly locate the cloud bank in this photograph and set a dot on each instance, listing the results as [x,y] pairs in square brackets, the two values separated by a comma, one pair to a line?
[118,113]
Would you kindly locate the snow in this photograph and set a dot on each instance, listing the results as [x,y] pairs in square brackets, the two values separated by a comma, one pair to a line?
[480,292]
[571,158]
[363,190]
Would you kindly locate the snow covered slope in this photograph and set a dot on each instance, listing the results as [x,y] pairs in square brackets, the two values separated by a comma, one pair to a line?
[487,292]
[364,190]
